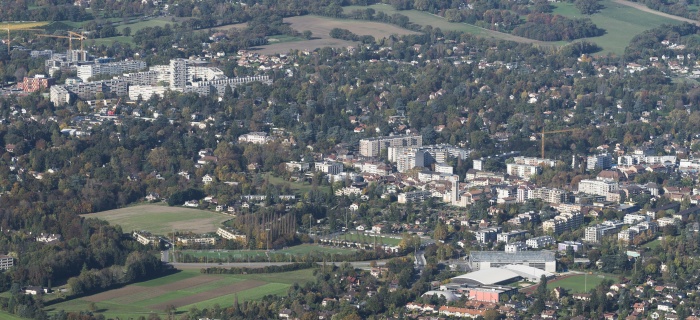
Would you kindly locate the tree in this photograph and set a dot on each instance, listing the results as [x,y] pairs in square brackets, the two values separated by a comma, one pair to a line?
[126,31]
[587,6]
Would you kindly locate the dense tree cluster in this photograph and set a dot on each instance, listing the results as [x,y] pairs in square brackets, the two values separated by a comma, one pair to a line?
[548,27]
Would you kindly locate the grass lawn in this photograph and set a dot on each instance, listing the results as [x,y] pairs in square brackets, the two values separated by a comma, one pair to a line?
[652,244]
[358,237]
[161,219]
[160,291]
[109,41]
[8,316]
[620,22]
[136,26]
[283,38]
[241,255]
[580,283]
[300,188]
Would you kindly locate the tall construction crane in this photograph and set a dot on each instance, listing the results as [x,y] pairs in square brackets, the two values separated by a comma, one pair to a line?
[8,29]
[554,131]
[71,35]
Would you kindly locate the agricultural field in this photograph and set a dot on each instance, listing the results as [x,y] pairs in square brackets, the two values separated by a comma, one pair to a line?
[320,28]
[161,219]
[621,23]
[427,19]
[184,290]
[242,255]
[22,25]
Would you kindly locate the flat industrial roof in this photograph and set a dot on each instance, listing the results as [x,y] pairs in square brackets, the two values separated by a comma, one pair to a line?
[487,276]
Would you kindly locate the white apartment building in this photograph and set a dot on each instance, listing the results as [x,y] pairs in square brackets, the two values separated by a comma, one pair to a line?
[540,242]
[255,137]
[6,262]
[549,195]
[414,196]
[599,161]
[516,247]
[634,218]
[524,171]
[88,71]
[510,236]
[444,168]
[598,187]
[667,221]
[329,167]
[230,234]
[563,222]
[534,161]
[597,232]
[372,147]
[487,235]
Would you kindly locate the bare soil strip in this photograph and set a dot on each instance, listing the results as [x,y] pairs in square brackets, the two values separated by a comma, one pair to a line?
[117,293]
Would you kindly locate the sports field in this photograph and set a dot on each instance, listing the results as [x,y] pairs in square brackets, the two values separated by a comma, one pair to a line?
[370,238]
[161,219]
[184,290]
[579,283]
[620,22]
[283,254]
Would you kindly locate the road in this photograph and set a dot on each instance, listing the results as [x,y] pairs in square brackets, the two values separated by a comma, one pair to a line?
[644,8]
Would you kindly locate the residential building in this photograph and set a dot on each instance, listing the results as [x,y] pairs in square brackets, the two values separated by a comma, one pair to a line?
[599,161]
[255,137]
[634,218]
[549,195]
[544,260]
[563,222]
[524,171]
[372,147]
[230,234]
[510,236]
[534,161]
[292,166]
[414,196]
[87,71]
[667,221]
[563,246]
[487,235]
[515,247]
[6,262]
[329,167]
[595,233]
[146,238]
[540,242]
[191,240]
[36,83]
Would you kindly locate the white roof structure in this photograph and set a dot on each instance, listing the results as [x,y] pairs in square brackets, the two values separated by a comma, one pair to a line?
[531,273]
[488,276]
[449,296]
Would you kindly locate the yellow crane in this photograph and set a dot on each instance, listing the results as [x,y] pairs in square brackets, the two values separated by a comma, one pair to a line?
[554,131]
[8,29]
[71,35]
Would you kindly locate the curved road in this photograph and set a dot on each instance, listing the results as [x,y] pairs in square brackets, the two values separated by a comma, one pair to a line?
[644,8]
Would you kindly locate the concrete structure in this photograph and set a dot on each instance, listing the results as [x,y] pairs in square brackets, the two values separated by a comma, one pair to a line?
[292,166]
[563,246]
[599,161]
[515,247]
[595,233]
[86,91]
[599,187]
[487,276]
[510,236]
[329,167]
[6,262]
[634,218]
[230,234]
[87,71]
[145,238]
[524,171]
[188,241]
[487,235]
[255,137]
[534,161]
[36,83]
[492,294]
[372,147]
[414,196]
[544,260]
[563,222]
[540,242]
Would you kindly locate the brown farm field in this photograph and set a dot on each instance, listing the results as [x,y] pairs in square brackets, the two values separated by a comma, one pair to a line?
[161,219]
[320,28]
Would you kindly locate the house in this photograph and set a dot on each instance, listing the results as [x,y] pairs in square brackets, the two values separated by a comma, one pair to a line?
[152,197]
[34,290]
[640,307]
[285,313]
[191,204]
[207,179]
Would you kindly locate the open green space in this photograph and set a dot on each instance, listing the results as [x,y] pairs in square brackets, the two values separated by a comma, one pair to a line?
[652,244]
[621,23]
[7,316]
[109,41]
[299,188]
[143,299]
[370,238]
[283,38]
[162,219]
[137,26]
[242,255]
[424,19]
[580,283]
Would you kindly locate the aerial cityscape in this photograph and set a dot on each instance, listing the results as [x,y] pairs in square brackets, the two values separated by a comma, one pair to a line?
[349,159]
